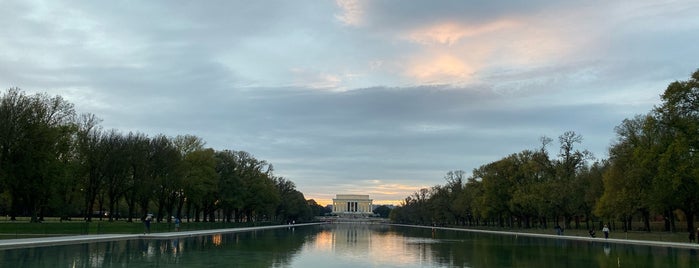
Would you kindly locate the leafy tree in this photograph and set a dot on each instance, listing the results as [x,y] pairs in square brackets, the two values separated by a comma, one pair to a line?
[136,187]
[200,179]
[382,211]
[497,185]
[52,163]
[164,172]
[678,167]
[115,168]
[632,167]
[294,206]
[317,209]
[230,184]
[33,132]
[591,180]
[570,161]
[90,158]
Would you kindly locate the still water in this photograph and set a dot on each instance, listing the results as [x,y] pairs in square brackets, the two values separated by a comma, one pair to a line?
[351,245]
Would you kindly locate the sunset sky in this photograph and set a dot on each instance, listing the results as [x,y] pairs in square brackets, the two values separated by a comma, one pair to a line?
[355,96]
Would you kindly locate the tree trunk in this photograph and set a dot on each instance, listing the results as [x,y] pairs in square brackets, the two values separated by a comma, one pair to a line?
[111,208]
[577,222]
[646,220]
[197,210]
[161,209]
[690,220]
[180,204]
[667,215]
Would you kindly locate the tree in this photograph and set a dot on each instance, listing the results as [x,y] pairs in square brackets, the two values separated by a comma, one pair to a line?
[164,171]
[317,209]
[568,164]
[496,179]
[678,167]
[52,163]
[632,167]
[293,206]
[230,184]
[136,187]
[33,134]
[382,211]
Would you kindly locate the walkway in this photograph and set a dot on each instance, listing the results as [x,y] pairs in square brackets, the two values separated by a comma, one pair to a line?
[579,238]
[78,239]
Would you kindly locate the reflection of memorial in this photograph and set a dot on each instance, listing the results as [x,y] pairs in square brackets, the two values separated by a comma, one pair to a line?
[352,205]
[364,244]
[352,238]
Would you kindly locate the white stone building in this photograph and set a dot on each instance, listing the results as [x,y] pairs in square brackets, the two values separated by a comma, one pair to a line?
[352,204]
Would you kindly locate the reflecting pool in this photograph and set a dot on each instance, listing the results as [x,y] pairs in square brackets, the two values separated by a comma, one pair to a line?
[351,245]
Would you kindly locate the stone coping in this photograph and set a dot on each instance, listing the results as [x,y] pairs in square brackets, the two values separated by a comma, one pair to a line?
[79,239]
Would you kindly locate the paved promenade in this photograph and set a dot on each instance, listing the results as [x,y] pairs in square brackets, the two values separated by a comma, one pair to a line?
[77,239]
[580,238]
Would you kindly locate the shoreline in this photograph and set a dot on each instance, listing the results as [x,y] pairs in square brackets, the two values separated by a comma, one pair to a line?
[80,239]
[567,237]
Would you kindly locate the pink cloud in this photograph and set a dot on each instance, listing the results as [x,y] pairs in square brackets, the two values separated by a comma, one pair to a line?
[453,53]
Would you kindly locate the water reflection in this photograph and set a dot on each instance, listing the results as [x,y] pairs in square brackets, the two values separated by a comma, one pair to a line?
[383,246]
[351,245]
[250,249]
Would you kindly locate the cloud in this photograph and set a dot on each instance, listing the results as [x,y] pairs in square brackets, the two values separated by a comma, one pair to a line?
[351,12]
[450,33]
[440,69]
[355,95]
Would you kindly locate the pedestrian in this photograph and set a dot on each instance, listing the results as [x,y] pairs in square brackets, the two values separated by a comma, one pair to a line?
[559,230]
[177,224]
[691,236]
[149,217]
[605,230]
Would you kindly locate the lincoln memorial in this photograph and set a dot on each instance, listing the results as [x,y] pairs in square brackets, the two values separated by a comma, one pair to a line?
[352,204]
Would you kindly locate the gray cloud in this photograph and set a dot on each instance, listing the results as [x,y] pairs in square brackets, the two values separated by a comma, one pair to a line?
[386,106]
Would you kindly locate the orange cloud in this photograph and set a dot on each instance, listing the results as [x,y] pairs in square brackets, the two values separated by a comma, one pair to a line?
[382,193]
[450,33]
[436,69]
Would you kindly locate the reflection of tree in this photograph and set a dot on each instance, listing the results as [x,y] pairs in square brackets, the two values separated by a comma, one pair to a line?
[246,249]
[467,249]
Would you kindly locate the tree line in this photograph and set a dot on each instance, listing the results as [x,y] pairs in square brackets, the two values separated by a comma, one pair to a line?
[54,162]
[652,173]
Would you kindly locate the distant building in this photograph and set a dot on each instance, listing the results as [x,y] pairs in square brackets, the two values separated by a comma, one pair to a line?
[352,205]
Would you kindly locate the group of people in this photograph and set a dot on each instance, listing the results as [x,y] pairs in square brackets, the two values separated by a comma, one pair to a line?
[149,218]
[605,230]
[591,232]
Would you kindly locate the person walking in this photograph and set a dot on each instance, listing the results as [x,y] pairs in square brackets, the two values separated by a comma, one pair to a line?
[605,230]
[559,230]
[146,222]
[691,236]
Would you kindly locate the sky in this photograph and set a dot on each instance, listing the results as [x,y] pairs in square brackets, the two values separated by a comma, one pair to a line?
[356,96]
